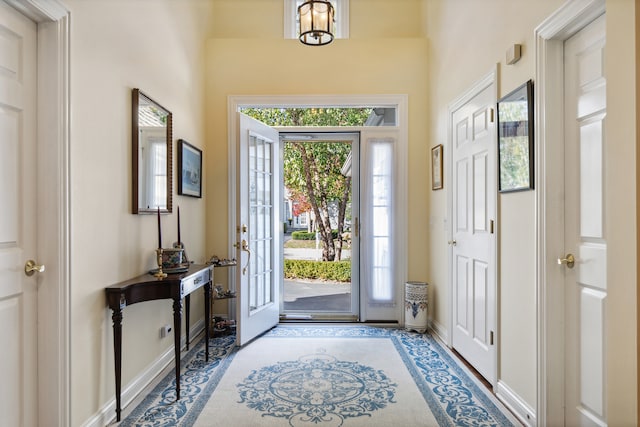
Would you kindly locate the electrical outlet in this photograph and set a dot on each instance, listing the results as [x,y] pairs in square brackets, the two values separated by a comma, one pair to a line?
[165,330]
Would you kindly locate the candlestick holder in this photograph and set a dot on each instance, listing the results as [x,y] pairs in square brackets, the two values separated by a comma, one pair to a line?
[159,274]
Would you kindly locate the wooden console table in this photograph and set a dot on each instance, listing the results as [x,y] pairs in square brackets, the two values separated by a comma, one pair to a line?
[148,288]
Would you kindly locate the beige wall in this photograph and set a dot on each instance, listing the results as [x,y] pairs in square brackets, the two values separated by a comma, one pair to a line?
[467,39]
[637,120]
[621,134]
[117,45]
[386,54]
[158,46]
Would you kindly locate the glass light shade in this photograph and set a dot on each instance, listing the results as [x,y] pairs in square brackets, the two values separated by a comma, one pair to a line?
[316,22]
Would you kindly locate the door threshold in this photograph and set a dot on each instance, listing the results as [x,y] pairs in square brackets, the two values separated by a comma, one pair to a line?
[296,317]
[305,317]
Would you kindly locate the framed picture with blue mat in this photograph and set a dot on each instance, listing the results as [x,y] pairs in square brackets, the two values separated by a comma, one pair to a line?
[190,169]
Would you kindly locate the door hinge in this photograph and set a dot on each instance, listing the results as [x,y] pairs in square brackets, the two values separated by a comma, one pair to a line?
[490,337]
[491,226]
[491,118]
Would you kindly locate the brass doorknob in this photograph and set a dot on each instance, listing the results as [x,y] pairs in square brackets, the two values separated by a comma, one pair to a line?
[569,260]
[31,267]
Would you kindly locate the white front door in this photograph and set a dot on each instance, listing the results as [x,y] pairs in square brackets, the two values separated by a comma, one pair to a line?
[18,293]
[585,240]
[259,229]
[473,260]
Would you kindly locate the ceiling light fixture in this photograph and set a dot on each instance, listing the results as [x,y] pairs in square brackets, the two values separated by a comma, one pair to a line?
[316,22]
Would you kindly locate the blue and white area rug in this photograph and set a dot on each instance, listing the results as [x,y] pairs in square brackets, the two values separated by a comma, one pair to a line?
[328,376]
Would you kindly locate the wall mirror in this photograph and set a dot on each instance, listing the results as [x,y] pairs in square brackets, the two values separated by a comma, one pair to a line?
[515,139]
[151,155]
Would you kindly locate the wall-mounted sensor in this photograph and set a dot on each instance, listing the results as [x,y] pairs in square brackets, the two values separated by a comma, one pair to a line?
[513,54]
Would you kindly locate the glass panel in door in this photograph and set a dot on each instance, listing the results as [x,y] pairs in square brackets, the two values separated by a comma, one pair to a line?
[320,245]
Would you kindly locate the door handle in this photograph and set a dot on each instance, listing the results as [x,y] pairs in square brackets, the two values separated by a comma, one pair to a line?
[245,247]
[30,268]
[452,242]
[569,260]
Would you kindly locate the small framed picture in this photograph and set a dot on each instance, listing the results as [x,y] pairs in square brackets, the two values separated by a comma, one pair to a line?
[190,168]
[436,167]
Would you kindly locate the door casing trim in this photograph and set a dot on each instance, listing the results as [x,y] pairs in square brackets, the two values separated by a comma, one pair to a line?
[549,128]
[54,228]
[354,139]
[400,101]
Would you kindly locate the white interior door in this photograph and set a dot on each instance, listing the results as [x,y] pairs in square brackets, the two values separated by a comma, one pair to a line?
[473,240]
[258,235]
[18,293]
[585,240]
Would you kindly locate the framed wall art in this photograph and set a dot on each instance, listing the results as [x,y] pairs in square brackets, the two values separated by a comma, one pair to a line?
[190,168]
[436,167]
[515,140]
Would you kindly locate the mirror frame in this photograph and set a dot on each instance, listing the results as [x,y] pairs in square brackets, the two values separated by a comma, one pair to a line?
[136,94]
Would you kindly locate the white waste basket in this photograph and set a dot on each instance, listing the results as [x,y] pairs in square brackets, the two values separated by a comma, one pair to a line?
[415,306]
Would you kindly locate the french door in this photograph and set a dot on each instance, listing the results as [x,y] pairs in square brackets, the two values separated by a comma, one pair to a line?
[258,274]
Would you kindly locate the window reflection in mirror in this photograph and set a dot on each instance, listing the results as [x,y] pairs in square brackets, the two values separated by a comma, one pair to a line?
[151,155]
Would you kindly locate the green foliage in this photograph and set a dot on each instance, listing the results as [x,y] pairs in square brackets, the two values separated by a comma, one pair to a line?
[336,271]
[317,165]
[514,162]
[514,144]
[313,170]
[306,235]
[303,235]
[309,116]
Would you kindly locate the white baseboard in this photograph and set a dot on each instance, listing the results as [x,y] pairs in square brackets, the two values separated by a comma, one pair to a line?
[130,391]
[440,331]
[521,409]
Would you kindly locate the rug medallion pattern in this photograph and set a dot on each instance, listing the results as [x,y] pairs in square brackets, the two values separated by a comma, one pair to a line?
[322,390]
[317,390]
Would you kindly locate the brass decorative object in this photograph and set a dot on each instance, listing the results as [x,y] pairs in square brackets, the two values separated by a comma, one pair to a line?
[159,274]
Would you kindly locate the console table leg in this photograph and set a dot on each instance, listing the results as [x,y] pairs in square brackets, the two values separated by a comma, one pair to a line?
[187,302]
[207,318]
[177,323]
[117,350]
